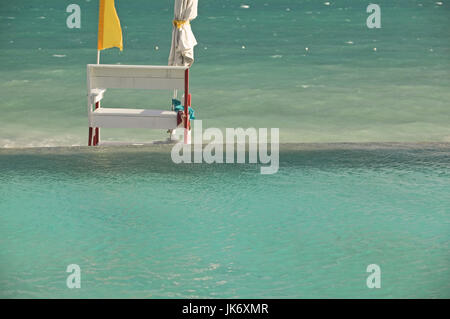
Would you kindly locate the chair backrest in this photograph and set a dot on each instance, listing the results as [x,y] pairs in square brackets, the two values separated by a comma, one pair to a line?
[112,76]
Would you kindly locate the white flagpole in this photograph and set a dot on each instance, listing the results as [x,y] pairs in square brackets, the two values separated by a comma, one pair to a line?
[98,56]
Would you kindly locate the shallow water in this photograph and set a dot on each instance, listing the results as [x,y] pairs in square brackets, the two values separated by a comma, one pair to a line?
[140,226]
[340,90]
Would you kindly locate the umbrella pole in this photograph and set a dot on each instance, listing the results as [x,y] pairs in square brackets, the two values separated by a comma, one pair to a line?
[175,95]
[186,107]
[172,131]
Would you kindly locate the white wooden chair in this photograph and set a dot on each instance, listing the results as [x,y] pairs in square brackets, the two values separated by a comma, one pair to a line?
[101,77]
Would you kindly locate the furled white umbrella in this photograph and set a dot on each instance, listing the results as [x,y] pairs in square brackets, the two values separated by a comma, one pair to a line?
[183,39]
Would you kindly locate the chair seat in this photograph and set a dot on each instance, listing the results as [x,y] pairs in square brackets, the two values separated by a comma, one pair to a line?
[103,111]
[134,118]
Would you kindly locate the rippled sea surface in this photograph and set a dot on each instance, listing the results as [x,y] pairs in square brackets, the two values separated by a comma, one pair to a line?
[140,226]
[315,71]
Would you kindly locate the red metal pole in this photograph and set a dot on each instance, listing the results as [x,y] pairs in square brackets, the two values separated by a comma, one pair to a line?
[97,130]
[186,105]
[90,137]
[97,136]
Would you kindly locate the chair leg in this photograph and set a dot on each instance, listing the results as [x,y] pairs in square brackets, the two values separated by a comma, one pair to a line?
[90,137]
[97,136]
[97,130]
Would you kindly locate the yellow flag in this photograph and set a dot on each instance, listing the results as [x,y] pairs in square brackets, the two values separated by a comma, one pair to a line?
[109,30]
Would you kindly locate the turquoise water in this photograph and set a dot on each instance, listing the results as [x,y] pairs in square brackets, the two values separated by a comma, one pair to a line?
[334,92]
[140,226]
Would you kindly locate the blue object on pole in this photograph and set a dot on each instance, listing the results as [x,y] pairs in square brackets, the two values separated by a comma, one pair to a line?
[178,107]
